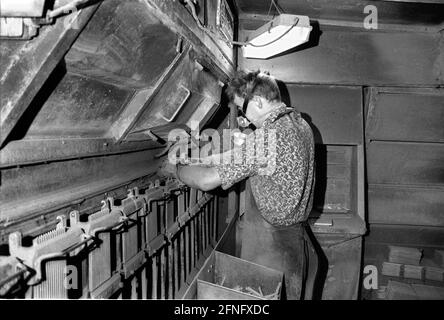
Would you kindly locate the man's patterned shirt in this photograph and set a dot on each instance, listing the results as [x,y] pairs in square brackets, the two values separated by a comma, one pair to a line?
[282,177]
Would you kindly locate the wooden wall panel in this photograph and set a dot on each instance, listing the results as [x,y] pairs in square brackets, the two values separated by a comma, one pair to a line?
[405,156]
[334,181]
[406,235]
[414,115]
[413,12]
[335,112]
[405,163]
[359,58]
[406,206]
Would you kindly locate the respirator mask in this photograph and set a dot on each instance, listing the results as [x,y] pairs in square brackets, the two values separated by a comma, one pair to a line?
[242,119]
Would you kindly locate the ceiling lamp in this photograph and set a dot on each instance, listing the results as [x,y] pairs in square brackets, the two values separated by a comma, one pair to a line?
[284,32]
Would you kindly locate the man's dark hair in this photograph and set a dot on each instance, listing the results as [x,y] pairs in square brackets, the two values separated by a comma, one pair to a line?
[253,83]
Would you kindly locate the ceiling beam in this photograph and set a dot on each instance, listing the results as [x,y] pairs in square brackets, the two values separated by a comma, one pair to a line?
[383,27]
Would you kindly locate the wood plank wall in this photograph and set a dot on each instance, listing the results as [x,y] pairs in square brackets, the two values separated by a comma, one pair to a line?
[368,58]
[405,153]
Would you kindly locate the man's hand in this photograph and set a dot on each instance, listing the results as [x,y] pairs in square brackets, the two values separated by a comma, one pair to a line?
[167,170]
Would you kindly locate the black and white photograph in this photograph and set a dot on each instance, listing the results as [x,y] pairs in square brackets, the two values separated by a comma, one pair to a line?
[221,157]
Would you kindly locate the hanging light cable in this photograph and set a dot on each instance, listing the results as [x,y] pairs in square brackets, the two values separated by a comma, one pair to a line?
[279,10]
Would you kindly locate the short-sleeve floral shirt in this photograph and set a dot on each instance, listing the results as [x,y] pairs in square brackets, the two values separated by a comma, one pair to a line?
[282,176]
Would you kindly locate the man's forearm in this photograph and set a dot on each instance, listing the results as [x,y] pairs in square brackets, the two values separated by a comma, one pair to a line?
[199,177]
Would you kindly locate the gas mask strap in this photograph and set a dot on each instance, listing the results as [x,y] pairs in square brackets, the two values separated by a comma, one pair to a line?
[245,105]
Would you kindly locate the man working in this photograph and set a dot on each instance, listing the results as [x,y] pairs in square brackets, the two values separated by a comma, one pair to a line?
[274,230]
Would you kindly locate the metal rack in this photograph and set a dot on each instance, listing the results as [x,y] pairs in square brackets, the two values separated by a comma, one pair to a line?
[149,245]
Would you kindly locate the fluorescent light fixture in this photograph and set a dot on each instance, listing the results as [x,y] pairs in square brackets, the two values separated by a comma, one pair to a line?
[284,32]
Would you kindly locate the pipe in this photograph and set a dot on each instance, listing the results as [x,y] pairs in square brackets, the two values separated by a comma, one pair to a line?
[66,8]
